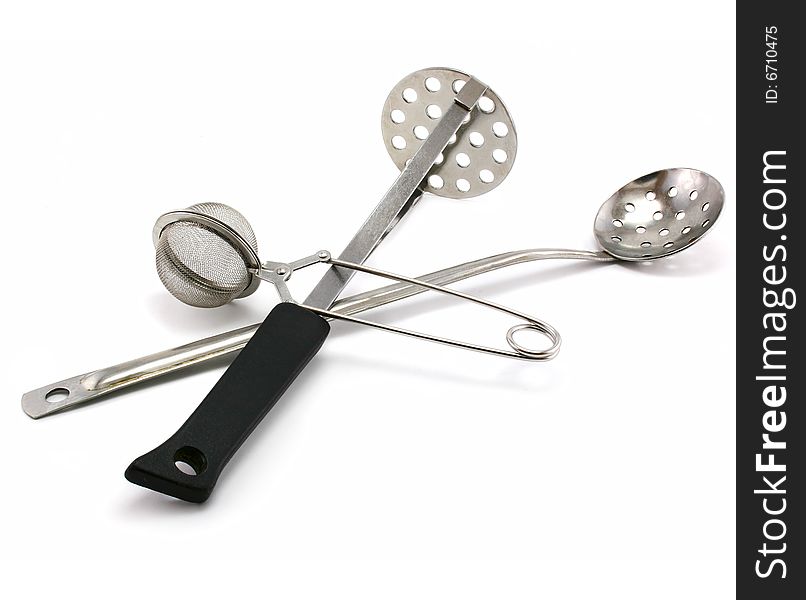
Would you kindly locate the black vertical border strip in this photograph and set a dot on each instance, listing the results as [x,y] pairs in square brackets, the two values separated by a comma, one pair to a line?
[763,126]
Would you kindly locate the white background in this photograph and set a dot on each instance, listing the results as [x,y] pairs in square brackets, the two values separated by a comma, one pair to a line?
[392,468]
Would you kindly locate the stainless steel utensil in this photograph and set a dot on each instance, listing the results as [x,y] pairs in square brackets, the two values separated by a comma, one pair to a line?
[659,214]
[614,219]
[292,334]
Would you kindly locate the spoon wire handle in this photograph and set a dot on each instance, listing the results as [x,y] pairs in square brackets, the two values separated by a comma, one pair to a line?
[83,388]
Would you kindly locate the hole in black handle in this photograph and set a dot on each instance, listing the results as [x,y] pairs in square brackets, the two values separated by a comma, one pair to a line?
[190,460]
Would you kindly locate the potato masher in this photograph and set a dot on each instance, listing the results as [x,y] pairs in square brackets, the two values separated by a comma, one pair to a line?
[614,219]
[292,334]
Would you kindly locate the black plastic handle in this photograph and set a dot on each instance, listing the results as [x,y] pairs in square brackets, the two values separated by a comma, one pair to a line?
[281,347]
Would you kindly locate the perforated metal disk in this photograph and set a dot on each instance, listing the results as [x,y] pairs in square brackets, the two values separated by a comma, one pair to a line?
[480,156]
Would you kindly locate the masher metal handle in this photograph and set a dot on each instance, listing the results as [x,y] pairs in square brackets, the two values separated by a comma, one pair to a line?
[400,197]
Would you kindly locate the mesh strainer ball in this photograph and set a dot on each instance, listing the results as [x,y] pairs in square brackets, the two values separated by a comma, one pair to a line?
[204,253]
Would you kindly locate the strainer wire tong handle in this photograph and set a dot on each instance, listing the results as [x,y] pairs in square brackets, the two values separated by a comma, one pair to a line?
[284,343]
[278,273]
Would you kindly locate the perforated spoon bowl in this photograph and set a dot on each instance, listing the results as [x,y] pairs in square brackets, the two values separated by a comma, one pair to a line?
[659,214]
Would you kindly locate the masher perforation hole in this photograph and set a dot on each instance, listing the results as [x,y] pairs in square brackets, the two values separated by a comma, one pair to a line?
[500,156]
[680,215]
[463,185]
[433,111]
[685,230]
[640,229]
[629,207]
[694,195]
[646,244]
[617,223]
[436,182]
[658,215]
[663,232]
[706,223]
[399,142]
[420,132]
[432,84]
[650,195]
[668,244]
[671,192]
[500,129]
[476,139]
[486,105]
[398,116]
[705,206]
[616,239]
[486,176]
[463,160]
[457,85]
[452,140]
[409,95]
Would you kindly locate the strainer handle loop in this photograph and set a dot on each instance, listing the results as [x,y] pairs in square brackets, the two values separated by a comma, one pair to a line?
[517,350]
